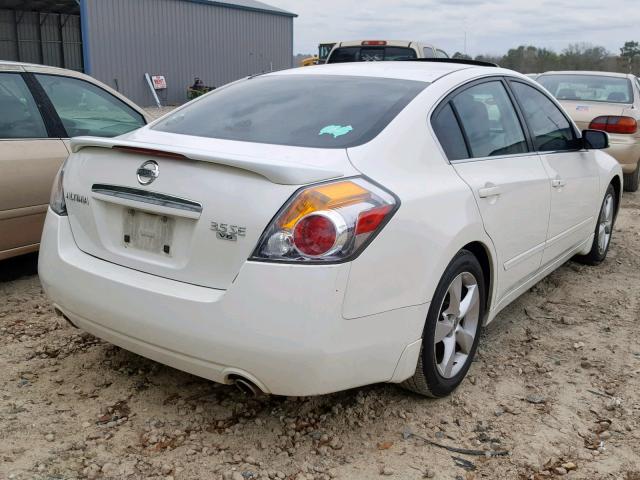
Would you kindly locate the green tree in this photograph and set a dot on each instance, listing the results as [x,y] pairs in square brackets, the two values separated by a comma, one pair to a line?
[529,59]
[489,58]
[584,56]
[461,56]
[629,54]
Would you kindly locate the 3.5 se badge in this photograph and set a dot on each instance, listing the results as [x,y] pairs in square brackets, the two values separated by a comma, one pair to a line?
[224,231]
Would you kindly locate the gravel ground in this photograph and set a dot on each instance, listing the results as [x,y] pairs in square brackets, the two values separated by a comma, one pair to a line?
[556,384]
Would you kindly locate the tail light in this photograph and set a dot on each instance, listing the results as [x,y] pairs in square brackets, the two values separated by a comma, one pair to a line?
[615,124]
[374,43]
[330,222]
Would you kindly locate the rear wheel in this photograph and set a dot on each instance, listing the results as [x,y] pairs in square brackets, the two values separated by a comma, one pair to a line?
[452,329]
[604,230]
[631,180]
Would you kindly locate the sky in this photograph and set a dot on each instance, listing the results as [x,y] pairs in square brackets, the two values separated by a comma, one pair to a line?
[490,26]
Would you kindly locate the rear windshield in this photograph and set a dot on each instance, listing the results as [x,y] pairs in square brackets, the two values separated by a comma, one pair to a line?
[322,111]
[588,88]
[371,54]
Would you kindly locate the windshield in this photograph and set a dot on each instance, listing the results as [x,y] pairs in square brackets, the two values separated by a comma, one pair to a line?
[322,111]
[589,88]
[371,54]
[324,50]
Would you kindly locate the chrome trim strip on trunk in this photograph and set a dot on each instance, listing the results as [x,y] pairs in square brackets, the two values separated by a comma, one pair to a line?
[145,196]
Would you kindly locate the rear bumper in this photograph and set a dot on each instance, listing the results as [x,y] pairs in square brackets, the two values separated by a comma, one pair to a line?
[626,150]
[280,326]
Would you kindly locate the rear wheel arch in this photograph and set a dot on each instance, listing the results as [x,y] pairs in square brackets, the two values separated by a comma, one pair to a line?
[483,254]
[617,186]
[446,311]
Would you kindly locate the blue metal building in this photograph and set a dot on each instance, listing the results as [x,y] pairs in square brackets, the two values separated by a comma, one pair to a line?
[119,41]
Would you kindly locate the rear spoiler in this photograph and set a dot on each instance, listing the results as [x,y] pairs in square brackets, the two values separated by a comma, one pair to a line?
[280,172]
[461,61]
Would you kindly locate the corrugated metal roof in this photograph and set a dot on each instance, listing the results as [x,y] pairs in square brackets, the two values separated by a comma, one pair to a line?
[71,6]
[45,6]
[252,5]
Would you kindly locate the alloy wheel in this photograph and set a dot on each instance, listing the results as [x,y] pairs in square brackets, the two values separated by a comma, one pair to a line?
[457,325]
[605,224]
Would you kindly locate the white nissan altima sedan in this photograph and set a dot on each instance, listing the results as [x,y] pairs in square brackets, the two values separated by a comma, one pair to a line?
[318,229]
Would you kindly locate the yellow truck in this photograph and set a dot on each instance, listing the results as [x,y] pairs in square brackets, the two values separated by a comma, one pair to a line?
[324,49]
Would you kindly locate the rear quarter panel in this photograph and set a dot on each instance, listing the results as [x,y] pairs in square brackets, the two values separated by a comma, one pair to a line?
[437,217]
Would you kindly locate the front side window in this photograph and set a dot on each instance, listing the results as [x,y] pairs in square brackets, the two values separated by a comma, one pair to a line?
[320,111]
[441,54]
[19,114]
[428,52]
[86,109]
[489,121]
[550,128]
[588,88]
[371,54]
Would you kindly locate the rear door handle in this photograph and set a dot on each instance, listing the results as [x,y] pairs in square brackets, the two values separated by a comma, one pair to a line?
[558,182]
[489,191]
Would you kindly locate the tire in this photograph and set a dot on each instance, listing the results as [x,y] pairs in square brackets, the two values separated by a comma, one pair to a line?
[631,180]
[604,230]
[434,376]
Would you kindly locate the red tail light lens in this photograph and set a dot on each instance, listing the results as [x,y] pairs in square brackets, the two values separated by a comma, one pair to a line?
[315,235]
[374,43]
[615,124]
[370,220]
[329,222]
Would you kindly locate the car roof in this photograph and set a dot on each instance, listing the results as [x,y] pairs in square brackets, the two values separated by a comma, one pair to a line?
[25,65]
[401,70]
[585,72]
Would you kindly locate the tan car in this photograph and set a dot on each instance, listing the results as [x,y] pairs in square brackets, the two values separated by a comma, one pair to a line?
[604,101]
[40,109]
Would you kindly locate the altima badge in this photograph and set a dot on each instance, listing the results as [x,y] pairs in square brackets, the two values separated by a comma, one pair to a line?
[148,172]
[74,197]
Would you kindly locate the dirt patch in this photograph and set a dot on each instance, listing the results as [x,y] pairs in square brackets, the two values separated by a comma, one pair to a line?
[556,384]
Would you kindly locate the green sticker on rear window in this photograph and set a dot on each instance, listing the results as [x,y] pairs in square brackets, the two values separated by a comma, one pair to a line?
[336,130]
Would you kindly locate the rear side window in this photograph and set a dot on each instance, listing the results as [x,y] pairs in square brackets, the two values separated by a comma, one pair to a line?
[19,114]
[441,54]
[86,109]
[371,54]
[428,52]
[321,111]
[449,134]
[489,121]
[550,128]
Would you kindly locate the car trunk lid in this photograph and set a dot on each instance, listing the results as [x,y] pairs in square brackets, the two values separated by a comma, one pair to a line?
[583,112]
[201,217]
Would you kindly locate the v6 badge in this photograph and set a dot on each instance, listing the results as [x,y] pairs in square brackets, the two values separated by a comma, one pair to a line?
[224,231]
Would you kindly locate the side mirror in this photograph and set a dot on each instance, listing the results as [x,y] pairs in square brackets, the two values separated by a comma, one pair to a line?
[595,139]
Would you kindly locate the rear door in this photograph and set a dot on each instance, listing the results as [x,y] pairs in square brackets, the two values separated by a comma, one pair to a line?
[29,160]
[509,182]
[573,172]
